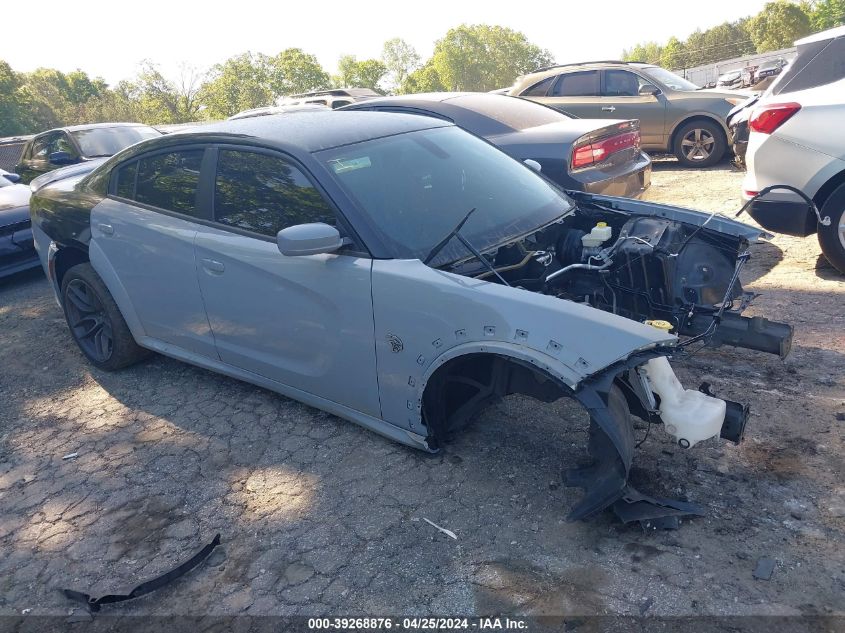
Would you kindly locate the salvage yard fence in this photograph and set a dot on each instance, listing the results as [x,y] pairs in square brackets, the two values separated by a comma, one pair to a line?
[10,151]
[709,73]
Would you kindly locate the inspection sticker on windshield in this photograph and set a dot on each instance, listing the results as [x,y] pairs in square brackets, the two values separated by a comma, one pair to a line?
[341,165]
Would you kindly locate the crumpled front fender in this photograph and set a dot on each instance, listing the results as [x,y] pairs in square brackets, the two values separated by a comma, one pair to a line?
[424,317]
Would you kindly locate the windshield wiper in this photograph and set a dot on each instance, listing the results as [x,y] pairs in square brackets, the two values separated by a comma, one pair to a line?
[456,232]
[442,243]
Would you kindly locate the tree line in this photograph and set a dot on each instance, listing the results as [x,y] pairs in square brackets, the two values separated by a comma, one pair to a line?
[469,57]
[776,26]
[475,57]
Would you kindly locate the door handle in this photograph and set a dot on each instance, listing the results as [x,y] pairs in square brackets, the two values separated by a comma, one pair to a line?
[213,266]
[106,229]
[608,109]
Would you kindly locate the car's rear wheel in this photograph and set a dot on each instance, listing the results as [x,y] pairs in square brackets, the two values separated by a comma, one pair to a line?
[832,238]
[700,143]
[95,321]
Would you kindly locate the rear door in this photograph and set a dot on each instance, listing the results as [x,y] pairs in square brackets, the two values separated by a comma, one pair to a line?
[305,322]
[575,92]
[144,230]
[621,99]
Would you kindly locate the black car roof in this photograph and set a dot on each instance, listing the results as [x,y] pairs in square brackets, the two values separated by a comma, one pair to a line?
[93,126]
[309,131]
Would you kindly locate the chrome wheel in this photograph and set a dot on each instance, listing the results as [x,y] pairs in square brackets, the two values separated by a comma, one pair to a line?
[698,144]
[88,321]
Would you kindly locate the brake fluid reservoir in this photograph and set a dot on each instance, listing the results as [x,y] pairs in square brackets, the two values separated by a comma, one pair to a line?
[690,416]
[599,235]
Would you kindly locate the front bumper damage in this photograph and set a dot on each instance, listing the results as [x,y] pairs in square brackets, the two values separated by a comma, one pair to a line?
[611,447]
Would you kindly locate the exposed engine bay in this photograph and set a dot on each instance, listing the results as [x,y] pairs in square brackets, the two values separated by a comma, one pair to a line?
[643,267]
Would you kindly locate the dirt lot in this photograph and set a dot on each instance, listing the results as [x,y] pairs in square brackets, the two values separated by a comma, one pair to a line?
[321,517]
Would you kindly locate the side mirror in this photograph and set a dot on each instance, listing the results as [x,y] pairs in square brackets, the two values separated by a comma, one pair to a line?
[60,158]
[308,239]
[648,90]
[533,164]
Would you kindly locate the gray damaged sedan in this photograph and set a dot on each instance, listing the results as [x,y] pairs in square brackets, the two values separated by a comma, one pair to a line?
[401,273]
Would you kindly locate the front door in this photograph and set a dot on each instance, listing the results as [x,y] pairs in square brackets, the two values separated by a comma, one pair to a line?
[621,99]
[305,322]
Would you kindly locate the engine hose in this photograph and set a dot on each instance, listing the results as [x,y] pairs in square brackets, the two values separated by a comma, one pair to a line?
[504,269]
[801,194]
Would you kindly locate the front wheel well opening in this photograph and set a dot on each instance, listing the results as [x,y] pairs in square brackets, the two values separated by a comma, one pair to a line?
[65,259]
[465,385]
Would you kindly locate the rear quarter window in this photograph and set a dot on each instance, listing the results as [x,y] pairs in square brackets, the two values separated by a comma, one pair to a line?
[817,64]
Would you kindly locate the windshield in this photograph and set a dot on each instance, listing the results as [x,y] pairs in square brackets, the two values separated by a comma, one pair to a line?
[415,187]
[669,79]
[108,141]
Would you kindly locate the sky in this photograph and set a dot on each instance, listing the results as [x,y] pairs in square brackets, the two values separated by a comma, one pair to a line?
[109,38]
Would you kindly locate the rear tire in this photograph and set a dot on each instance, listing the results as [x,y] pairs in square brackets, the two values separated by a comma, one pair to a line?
[95,322]
[699,143]
[832,238]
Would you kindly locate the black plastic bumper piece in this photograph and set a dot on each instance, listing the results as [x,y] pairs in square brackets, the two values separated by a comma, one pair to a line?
[94,604]
[757,333]
[784,216]
[736,417]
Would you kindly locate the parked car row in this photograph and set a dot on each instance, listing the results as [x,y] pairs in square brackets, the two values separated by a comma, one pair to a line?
[43,156]
[400,272]
[675,115]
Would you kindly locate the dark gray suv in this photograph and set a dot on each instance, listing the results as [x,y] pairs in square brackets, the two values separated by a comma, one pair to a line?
[675,115]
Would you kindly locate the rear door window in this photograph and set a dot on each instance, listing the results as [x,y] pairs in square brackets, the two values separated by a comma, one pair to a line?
[817,64]
[577,84]
[170,181]
[264,194]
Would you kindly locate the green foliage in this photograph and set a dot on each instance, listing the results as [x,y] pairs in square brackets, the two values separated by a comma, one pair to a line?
[482,57]
[400,59]
[778,25]
[674,54]
[648,52]
[825,14]
[423,79]
[15,103]
[240,83]
[359,74]
[161,100]
[293,71]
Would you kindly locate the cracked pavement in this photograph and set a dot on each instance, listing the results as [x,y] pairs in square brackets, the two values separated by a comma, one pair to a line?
[319,516]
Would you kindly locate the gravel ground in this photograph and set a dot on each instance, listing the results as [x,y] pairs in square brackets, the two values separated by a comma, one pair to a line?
[318,516]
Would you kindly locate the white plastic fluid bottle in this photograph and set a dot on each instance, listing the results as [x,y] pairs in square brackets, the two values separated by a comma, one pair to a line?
[690,416]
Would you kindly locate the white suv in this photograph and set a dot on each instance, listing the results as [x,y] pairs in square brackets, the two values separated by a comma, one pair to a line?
[798,138]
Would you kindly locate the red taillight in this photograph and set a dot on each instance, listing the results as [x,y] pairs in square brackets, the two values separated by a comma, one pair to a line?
[597,151]
[767,119]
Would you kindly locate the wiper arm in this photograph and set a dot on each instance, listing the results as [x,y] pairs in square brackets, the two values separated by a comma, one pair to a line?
[442,243]
[456,232]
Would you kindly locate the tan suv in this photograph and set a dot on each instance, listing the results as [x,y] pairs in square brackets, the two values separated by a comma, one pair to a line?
[675,115]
